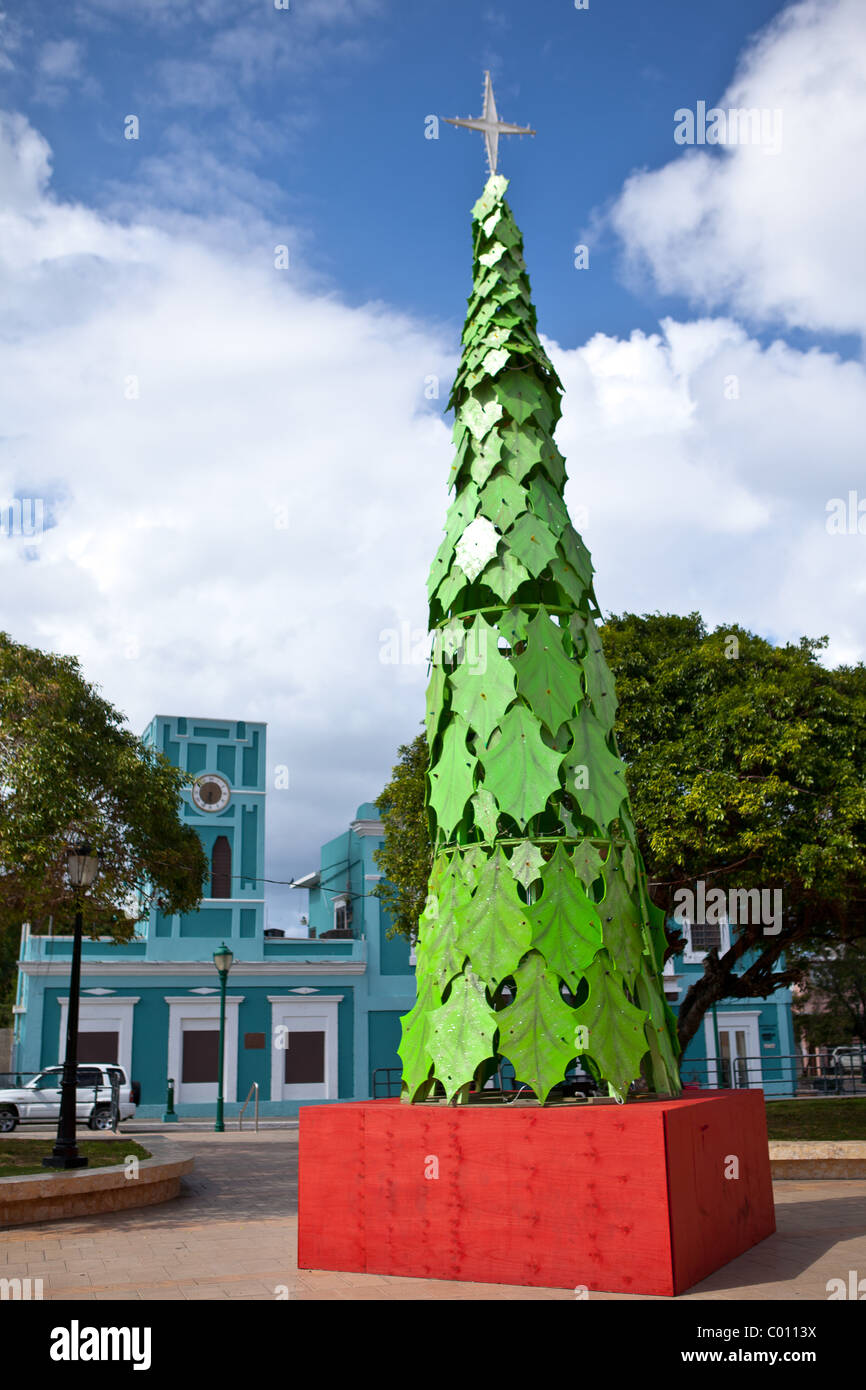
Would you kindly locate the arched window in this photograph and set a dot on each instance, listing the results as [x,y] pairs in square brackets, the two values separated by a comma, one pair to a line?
[221,868]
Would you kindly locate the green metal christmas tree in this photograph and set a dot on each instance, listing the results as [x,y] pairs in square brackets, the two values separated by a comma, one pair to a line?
[539,942]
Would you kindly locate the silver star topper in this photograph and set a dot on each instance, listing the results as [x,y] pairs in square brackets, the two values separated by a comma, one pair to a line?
[489,124]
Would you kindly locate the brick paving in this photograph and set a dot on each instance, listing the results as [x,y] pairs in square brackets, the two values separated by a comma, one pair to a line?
[232,1235]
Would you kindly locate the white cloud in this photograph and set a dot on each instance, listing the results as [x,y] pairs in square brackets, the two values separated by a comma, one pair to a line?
[25,164]
[705,464]
[776,237]
[61,59]
[223,46]
[12,33]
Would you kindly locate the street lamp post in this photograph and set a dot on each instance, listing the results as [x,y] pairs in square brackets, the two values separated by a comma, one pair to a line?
[82,866]
[222,959]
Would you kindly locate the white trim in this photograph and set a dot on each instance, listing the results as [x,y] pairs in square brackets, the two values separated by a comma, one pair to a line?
[188,999]
[111,1015]
[310,880]
[57,936]
[184,1008]
[220,722]
[223,900]
[365,828]
[290,1011]
[138,965]
[320,998]
[670,981]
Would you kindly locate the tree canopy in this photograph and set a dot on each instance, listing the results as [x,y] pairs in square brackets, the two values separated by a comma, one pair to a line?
[406,855]
[746,768]
[71,771]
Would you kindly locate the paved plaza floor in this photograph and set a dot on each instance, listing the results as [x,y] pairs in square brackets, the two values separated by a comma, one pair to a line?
[232,1235]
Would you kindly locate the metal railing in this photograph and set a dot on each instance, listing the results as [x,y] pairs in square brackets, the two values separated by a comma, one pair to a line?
[254,1089]
[388,1083]
[785,1074]
[12,1080]
[793,1074]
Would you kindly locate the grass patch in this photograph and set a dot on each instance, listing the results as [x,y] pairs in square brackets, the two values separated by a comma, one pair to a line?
[18,1157]
[817,1119]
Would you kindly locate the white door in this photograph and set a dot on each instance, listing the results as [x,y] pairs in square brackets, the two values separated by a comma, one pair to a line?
[739,1060]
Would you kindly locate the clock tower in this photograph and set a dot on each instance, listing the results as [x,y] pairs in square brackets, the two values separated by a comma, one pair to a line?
[226,806]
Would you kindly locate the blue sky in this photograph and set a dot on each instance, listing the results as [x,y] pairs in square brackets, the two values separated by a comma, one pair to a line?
[244,478]
[320,109]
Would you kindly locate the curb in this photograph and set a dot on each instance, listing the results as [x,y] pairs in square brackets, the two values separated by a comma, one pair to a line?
[821,1158]
[90,1191]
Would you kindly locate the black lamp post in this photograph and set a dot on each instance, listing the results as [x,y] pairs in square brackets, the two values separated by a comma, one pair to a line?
[82,866]
[222,959]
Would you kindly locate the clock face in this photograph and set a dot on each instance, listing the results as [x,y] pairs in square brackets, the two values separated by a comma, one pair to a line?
[211,792]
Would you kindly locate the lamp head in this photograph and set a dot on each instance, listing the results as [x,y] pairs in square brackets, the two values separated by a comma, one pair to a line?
[222,959]
[82,865]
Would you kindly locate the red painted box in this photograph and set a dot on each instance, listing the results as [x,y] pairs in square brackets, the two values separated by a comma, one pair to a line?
[644,1198]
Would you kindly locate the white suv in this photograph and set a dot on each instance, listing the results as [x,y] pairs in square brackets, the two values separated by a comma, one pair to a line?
[39,1100]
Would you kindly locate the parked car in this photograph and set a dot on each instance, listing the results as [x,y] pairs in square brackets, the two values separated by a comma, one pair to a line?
[38,1101]
[850,1059]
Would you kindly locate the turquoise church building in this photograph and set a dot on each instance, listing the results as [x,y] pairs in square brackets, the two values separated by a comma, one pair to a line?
[309,1019]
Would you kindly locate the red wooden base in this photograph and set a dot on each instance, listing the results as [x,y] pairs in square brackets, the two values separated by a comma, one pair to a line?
[644,1198]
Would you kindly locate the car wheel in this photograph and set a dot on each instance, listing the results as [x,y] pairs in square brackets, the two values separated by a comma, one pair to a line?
[8,1121]
[101,1118]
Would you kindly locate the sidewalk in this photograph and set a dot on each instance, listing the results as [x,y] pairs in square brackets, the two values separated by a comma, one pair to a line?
[232,1235]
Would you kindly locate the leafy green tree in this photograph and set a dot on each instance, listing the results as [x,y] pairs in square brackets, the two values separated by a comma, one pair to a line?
[406,856]
[69,770]
[746,766]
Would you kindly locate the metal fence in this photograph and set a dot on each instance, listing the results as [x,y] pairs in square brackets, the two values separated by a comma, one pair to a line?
[387,1081]
[788,1074]
[11,1080]
[793,1074]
